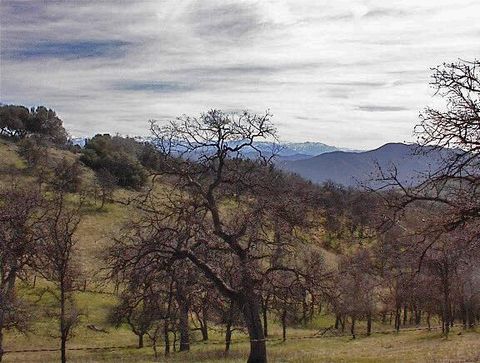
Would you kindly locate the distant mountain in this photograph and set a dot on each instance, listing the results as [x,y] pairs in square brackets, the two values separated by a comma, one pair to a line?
[354,168]
[311,148]
[80,141]
[284,151]
[290,151]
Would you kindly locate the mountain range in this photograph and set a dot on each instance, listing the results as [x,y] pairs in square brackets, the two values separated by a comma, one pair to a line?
[412,164]
[319,162]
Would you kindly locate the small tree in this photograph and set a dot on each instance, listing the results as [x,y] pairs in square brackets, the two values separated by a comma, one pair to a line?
[57,263]
[140,310]
[106,183]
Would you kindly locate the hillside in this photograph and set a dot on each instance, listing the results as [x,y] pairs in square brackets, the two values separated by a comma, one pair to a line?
[352,169]
[304,343]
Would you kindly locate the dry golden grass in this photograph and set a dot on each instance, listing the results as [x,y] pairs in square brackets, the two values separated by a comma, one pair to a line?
[94,234]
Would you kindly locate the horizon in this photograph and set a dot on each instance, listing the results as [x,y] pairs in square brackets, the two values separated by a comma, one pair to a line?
[353,74]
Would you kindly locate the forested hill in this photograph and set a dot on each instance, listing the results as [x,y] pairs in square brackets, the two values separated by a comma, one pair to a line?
[353,168]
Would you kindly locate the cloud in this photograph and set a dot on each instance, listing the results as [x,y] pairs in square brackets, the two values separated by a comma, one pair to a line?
[352,72]
[374,108]
[224,20]
[385,12]
[153,86]
[69,50]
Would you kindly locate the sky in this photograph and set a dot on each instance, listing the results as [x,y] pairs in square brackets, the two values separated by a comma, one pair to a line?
[350,73]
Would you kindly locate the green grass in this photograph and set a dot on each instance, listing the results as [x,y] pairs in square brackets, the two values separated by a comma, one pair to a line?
[411,346]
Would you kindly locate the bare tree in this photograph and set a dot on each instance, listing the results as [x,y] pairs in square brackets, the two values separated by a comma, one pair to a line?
[20,216]
[225,201]
[105,186]
[56,261]
[454,130]
[140,308]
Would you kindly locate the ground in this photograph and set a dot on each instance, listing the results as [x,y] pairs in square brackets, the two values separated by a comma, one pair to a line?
[407,346]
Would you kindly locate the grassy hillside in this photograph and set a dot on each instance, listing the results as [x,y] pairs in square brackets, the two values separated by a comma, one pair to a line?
[97,300]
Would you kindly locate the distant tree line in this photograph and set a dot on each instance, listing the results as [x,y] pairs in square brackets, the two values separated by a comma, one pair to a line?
[19,122]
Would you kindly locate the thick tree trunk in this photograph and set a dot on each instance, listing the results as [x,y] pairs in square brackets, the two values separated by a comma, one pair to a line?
[184,329]
[63,349]
[251,315]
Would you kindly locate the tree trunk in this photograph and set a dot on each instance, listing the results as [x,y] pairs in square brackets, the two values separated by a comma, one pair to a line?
[265,315]
[304,310]
[418,317]
[397,319]
[63,348]
[284,325]
[154,346]
[184,329]
[184,308]
[1,336]
[6,296]
[63,328]
[204,324]
[140,340]
[251,315]
[228,335]
[369,324]
[352,328]
[166,338]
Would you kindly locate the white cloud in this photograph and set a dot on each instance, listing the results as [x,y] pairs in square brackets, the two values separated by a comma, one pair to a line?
[350,73]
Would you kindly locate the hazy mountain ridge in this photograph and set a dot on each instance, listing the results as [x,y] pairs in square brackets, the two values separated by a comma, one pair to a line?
[283,150]
[353,168]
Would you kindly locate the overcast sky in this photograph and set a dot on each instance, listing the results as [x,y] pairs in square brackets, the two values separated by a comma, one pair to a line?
[350,73]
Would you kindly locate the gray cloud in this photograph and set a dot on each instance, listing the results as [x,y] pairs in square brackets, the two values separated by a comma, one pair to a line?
[374,108]
[351,72]
[67,50]
[385,12]
[224,21]
[153,86]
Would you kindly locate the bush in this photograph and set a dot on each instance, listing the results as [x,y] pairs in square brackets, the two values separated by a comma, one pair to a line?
[116,155]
